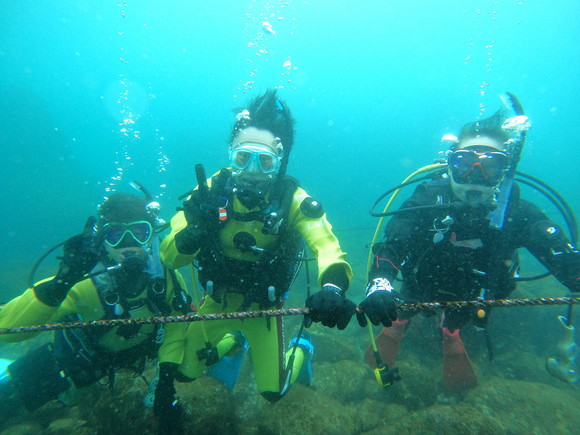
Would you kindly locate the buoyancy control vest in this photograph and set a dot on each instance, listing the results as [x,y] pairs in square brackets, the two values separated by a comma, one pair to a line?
[485,258]
[86,355]
[266,279]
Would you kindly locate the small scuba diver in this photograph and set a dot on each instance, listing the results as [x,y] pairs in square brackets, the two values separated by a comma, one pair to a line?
[110,271]
[245,229]
[456,238]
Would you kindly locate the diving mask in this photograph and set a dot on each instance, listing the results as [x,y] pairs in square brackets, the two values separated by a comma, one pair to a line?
[254,158]
[140,232]
[472,167]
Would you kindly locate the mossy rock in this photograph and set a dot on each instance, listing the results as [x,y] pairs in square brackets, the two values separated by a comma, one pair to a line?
[331,345]
[304,410]
[65,426]
[120,410]
[528,407]
[522,366]
[344,380]
[438,419]
[209,408]
[23,429]
[373,414]
[418,386]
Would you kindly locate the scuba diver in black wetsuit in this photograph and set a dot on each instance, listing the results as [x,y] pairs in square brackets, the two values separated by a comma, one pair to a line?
[127,280]
[456,238]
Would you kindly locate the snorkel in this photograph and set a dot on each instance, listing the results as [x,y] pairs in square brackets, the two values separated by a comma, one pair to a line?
[516,126]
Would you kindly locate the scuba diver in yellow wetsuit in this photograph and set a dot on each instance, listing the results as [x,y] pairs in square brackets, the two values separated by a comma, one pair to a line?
[456,238]
[245,228]
[120,254]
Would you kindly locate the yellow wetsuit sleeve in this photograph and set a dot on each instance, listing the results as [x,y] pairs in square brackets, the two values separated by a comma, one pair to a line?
[24,310]
[318,235]
[82,299]
[173,345]
[28,310]
[170,256]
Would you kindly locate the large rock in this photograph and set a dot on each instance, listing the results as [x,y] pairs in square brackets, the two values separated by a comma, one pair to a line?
[305,410]
[459,419]
[23,429]
[343,381]
[528,407]
[209,408]
[65,426]
[496,406]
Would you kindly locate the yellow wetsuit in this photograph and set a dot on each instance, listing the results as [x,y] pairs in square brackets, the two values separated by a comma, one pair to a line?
[83,299]
[265,336]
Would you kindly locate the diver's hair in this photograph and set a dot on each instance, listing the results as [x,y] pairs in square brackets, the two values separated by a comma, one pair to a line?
[472,130]
[268,112]
[488,127]
[123,208]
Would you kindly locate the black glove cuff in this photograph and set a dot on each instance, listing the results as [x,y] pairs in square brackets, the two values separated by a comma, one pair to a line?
[379,284]
[336,274]
[328,287]
[53,292]
[167,372]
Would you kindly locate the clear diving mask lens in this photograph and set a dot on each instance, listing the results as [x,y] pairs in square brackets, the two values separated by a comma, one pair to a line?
[249,159]
[471,167]
[120,235]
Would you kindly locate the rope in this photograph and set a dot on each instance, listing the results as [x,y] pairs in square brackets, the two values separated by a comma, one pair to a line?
[240,315]
[236,315]
[490,303]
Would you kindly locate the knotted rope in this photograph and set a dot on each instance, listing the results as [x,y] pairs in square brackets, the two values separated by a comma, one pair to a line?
[239,315]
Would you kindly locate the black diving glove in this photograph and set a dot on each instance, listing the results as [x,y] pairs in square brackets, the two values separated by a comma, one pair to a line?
[380,304]
[165,407]
[201,211]
[204,212]
[205,207]
[79,258]
[329,307]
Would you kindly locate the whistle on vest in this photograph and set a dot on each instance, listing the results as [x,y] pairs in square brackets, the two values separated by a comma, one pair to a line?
[222,212]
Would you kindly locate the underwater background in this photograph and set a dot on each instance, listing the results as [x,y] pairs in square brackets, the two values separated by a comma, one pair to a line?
[94,94]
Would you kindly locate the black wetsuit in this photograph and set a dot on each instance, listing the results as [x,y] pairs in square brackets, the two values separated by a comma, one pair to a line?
[447,254]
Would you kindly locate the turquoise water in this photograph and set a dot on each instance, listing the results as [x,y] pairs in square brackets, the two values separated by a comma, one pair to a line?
[373,86]
[94,94]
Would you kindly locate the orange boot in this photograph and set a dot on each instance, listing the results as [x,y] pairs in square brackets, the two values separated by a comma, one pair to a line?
[458,372]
